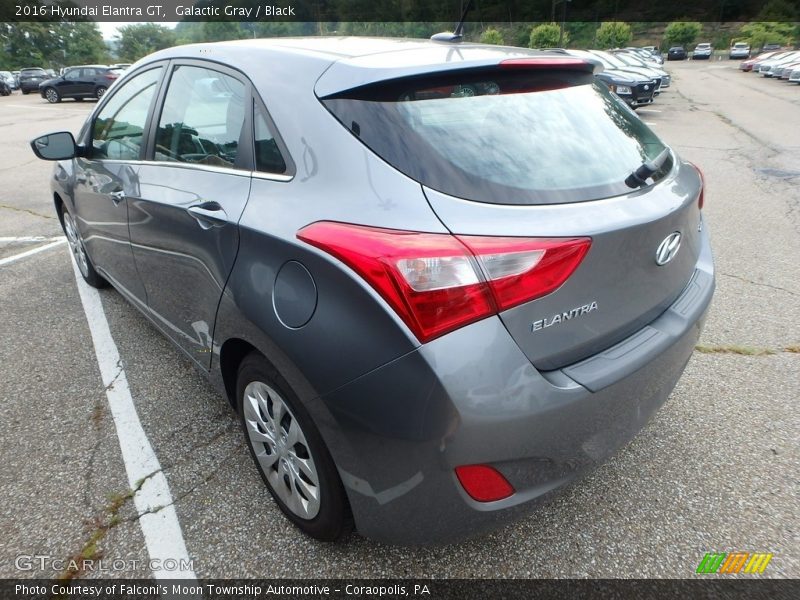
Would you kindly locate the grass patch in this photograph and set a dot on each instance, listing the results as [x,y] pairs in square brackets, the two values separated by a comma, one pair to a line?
[97,529]
[734,349]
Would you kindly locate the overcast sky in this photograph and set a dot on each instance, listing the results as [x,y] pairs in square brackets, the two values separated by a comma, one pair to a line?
[109,30]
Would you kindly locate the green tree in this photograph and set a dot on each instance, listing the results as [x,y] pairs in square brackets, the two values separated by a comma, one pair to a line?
[765,32]
[220,31]
[492,36]
[682,33]
[777,10]
[34,44]
[546,35]
[140,39]
[83,44]
[614,34]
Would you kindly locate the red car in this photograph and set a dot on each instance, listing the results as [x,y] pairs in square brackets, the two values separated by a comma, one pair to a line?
[747,65]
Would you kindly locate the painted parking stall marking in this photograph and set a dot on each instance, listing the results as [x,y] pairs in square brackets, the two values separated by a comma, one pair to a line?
[16,257]
[152,498]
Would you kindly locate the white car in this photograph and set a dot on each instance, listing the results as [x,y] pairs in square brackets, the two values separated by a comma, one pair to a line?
[702,51]
[739,50]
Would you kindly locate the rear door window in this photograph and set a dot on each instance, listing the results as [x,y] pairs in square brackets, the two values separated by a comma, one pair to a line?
[202,118]
[503,136]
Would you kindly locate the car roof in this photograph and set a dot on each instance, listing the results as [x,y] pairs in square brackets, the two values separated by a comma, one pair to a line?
[349,62]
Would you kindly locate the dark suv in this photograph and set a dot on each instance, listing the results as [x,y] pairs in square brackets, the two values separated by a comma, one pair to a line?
[29,79]
[90,81]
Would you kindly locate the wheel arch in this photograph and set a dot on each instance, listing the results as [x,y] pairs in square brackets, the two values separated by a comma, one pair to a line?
[231,355]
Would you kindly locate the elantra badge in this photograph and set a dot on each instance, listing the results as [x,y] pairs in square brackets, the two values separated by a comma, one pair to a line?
[668,248]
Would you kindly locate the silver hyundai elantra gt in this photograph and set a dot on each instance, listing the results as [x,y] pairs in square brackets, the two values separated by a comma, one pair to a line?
[437,281]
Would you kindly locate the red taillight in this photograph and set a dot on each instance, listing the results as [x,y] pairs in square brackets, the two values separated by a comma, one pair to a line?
[111,76]
[518,270]
[701,197]
[483,483]
[439,282]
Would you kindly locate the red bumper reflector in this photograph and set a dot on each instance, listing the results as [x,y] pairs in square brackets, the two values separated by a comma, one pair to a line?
[483,483]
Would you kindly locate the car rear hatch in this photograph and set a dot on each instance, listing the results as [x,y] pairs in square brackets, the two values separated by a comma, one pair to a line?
[535,148]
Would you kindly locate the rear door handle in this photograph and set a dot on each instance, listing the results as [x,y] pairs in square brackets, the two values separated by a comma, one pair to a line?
[208,214]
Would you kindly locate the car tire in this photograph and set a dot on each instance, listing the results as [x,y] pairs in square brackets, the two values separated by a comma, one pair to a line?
[52,95]
[26,92]
[79,254]
[99,91]
[289,453]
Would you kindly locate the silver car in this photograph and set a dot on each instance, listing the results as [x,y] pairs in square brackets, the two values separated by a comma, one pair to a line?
[739,50]
[702,51]
[437,281]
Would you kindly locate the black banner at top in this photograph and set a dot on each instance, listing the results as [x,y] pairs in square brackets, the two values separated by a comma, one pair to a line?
[484,11]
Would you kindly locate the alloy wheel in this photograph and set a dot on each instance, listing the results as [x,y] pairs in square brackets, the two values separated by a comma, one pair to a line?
[76,244]
[51,95]
[281,449]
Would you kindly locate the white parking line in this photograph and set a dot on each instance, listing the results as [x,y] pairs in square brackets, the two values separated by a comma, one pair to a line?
[30,238]
[158,518]
[16,257]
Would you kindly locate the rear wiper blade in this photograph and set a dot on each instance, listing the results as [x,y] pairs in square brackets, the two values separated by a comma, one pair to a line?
[640,176]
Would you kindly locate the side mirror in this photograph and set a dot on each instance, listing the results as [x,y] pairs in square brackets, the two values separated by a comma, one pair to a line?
[54,146]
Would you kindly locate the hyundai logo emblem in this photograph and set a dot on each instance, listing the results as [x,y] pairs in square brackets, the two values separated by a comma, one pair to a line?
[668,248]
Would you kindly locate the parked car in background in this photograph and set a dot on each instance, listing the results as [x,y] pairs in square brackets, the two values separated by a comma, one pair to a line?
[9,78]
[676,53]
[764,68]
[121,66]
[785,71]
[794,76]
[89,81]
[749,64]
[644,54]
[426,322]
[30,78]
[16,77]
[771,47]
[5,88]
[632,59]
[702,51]
[631,86]
[739,50]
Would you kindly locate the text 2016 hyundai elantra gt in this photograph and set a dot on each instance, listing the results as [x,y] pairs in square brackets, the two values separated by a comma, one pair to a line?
[438,281]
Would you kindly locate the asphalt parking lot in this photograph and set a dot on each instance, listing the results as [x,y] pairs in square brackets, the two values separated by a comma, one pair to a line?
[717,469]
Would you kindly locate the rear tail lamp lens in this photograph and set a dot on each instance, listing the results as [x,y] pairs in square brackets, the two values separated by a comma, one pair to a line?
[439,282]
[701,197]
[483,483]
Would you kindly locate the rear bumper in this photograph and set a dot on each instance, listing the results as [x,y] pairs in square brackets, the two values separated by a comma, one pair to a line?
[472,396]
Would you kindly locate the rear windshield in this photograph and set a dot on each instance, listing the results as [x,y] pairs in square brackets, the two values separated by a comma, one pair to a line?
[503,136]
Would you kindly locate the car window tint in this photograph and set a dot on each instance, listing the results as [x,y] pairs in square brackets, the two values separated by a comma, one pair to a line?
[268,155]
[503,136]
[202,118]
[72,75]
[119,128]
